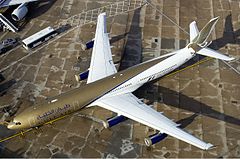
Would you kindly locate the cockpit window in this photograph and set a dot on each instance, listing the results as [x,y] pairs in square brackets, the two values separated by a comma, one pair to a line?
[18,123]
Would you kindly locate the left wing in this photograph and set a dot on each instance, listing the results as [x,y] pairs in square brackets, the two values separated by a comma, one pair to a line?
[131,107]
[8,3]
[101,62]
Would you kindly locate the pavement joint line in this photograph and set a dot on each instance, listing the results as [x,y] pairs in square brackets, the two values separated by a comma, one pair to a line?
[154,7]
[103,8]
[142,148]
[28,130]
[60,118]
[8,52]
[52,121]
[188,67]
[235,70]
[73,28]
[3,35]
[16,135]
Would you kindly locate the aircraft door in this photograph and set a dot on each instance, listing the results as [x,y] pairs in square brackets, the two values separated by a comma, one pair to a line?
[76,105]
[32,121]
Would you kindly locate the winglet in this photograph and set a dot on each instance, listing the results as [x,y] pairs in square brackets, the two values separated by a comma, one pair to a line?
[102,18]
[209,146]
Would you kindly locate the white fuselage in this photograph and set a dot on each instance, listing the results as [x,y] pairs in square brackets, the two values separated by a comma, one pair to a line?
[154,72]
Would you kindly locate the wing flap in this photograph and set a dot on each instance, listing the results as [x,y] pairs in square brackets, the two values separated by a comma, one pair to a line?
[130,106]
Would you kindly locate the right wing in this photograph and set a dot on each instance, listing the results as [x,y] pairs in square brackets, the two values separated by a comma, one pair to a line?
[8,3]
[131,107]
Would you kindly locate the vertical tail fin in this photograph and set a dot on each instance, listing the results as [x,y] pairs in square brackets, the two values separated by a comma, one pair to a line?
[198,40]
[203,35]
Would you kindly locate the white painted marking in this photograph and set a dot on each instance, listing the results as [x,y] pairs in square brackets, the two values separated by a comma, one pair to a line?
[126,147]
[111,156]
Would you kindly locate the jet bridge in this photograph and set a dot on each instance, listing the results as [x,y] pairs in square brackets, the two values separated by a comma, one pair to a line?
[7,24]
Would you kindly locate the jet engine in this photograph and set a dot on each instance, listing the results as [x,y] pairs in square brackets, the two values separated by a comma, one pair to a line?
[82,76]
[20,12]
[155,138]
[114,121]
[89,44]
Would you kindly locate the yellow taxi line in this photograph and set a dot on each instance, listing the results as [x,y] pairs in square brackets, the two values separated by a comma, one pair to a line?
[50,122]
[15,135]
[191,66]
[28,130]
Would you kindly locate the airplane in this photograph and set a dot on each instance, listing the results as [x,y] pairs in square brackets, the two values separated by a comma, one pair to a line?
[112,90]
[20,12]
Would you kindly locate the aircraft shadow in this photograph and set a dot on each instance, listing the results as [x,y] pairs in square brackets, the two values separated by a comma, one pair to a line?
[132,53]
[118,37]
[129,55]
[171,97]
[179,100]
[6,85]
[186,121]
[115,39]
[229,35]
[4,152]
[7,153]
[2,78]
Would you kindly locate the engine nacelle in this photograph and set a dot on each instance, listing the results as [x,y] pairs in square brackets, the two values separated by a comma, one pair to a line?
[89,44]
[114,121]
[20,12]
[82,76]
[155,138]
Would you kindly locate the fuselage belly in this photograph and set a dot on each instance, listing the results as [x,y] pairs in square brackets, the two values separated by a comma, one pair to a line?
[122,82]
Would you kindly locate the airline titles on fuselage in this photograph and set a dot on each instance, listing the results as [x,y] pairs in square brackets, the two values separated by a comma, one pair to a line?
[159,74]
[54,111]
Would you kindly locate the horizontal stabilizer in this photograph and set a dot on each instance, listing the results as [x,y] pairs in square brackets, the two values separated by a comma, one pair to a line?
[212,53]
